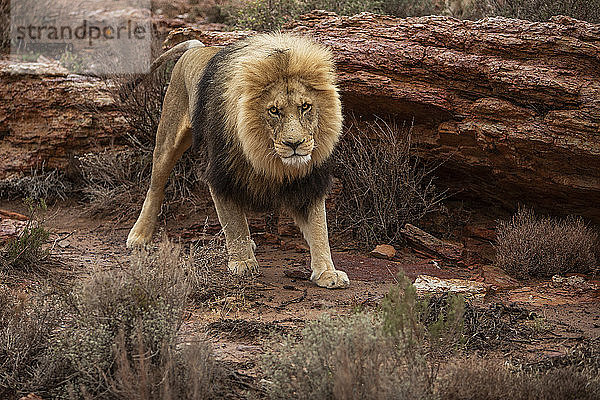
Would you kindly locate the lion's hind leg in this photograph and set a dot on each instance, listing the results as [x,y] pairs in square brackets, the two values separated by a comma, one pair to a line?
[237,235]
[172,140]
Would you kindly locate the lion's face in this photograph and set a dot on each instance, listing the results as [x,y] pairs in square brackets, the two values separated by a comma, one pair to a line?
[282,106]
[290,113]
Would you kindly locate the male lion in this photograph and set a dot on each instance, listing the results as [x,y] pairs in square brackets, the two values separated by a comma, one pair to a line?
[263,116]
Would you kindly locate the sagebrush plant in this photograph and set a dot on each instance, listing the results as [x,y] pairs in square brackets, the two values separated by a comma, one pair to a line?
[390,354]
[385,185]
[529,245]
[28,251]
[143,302]
[190,372]
[27,323]
[343,358]
[113,335]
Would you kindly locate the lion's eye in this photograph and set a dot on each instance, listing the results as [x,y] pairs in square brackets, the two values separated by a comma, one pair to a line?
[274,110]
[305,107]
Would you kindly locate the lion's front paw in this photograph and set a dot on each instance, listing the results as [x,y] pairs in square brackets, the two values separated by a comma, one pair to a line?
[332,279]
[243,267]
[139,236]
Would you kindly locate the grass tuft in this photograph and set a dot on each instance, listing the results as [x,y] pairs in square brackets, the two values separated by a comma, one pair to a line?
[531,246]
[28,251]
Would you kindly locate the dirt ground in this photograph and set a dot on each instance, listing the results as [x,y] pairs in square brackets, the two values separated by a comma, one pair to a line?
[283,300]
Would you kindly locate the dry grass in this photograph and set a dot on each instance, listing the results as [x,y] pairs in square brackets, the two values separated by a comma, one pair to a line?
[39,184]
[385,186]
[211,284]
[532,246]
[479,328]
[114,181]
[477,379]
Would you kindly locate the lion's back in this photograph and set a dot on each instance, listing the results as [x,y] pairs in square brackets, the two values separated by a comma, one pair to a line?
[191,67]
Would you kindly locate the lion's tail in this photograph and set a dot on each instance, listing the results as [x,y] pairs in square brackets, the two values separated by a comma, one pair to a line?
[172,54]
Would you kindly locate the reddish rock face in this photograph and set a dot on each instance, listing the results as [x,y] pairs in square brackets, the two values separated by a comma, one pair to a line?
[49,117]
[511,107]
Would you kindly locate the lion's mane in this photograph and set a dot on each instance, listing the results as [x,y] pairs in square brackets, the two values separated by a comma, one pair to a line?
[229,132]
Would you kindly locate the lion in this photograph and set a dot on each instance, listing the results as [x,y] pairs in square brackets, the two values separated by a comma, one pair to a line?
[263,117]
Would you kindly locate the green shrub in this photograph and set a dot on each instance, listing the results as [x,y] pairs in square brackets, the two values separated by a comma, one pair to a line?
[532,246]
[434,322]
[268,15]
[265,15]
[391,354]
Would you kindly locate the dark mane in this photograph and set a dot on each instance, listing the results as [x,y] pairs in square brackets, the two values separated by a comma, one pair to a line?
[224,166]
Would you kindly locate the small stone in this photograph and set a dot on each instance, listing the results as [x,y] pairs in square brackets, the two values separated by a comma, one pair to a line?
[10,228]
[384,251]
[427,285]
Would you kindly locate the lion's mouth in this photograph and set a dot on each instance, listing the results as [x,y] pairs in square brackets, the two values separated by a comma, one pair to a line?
[296,160]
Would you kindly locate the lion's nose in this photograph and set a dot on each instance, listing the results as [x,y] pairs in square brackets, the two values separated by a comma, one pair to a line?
[293,145]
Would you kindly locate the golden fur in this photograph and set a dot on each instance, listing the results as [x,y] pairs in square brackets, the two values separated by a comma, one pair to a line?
[264,115]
